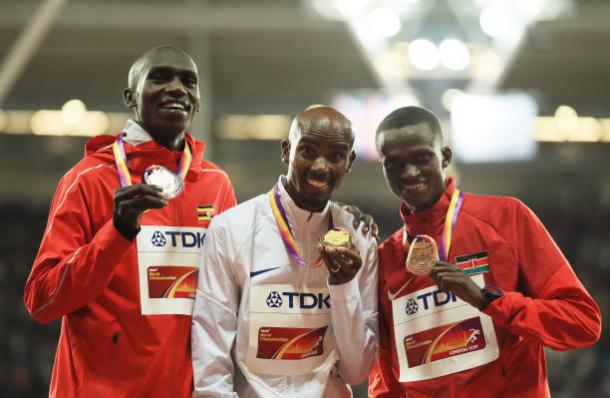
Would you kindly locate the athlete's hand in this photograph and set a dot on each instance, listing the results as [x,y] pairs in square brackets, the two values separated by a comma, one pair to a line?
[131,202]
[450,277]
[361,218]
[343,263]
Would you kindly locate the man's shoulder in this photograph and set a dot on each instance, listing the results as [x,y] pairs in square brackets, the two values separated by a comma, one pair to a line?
[345,219]
[499,211]
[243,214]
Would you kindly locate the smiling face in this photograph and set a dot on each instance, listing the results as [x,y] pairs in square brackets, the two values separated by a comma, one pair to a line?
[318,153]
[163,92]
[414,164]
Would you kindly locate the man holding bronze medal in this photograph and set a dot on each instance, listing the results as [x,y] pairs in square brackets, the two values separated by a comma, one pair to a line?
[286,300]
[472,288]
[118,260]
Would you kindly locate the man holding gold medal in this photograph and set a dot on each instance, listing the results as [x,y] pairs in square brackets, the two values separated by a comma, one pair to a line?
[472,288]
[118,260]
[286,302]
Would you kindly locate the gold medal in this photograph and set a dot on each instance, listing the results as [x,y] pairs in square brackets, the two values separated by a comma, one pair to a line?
[422,255]
[336,237]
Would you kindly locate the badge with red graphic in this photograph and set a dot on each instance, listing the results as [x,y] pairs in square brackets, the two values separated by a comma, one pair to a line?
[172,281]
[444,341]
[290,343]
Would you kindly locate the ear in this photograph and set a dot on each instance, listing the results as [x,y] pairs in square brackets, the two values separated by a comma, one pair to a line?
[447,156]
[129,98]
[350,161]
[285,151]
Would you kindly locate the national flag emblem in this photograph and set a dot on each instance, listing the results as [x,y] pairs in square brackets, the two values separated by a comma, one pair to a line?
[471,264]
[205,213]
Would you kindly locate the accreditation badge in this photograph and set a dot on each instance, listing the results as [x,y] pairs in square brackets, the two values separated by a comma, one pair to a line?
[437,334]
[289,330]
[168,261]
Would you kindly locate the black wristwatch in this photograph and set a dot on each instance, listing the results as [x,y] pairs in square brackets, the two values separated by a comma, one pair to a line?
[490,293]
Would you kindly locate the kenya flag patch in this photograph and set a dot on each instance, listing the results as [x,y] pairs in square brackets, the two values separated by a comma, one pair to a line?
[472,264]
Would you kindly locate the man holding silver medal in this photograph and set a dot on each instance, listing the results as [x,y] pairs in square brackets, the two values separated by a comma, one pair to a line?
[472,288]
[118,260]
[286,300]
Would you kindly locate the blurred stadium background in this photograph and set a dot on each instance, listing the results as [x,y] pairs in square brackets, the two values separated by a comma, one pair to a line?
[522,88]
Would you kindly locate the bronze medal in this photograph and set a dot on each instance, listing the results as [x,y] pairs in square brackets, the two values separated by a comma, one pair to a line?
[422,255]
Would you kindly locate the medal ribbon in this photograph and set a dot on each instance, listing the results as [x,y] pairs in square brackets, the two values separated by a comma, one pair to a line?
[450,220]
[121,161]
[284,227]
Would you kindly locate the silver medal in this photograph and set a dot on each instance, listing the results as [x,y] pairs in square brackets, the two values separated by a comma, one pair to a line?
[169,182]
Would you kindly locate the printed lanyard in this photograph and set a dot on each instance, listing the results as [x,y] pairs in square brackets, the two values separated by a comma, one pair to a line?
[121,161]
[284,227]
[450,220]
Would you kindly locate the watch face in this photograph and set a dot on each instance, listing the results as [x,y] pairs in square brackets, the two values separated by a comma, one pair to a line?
[492,292]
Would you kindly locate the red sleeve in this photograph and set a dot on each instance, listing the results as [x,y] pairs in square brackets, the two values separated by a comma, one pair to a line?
[382,383]
[228,196]
[72,266]
[554,308]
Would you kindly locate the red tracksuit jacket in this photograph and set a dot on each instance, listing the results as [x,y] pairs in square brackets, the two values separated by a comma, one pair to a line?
[87,274]
[502,243]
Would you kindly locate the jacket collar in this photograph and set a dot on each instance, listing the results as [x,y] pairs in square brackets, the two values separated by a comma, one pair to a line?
[431,220]
[142,150]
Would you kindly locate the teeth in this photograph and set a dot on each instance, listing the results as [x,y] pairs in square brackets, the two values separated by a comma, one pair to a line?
[316,183]
[174,105]
[419,185]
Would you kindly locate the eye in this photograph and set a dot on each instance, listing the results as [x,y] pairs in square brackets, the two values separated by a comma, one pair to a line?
[157,77]
[391,164]
[305,151]
[423,158]
[337,156]
[190,82]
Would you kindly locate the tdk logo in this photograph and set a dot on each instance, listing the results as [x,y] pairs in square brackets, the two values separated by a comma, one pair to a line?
[306,301]
[412,307]
[177,238]
[158,240]
[274,300]
[429,300]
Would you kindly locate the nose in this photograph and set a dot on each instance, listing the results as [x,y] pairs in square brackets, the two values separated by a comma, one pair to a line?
[410,171]
[320,165]
[176,88]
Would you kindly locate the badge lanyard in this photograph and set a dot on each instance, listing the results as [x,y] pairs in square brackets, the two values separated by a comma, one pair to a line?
[286,232]
[450,220]
[121,161]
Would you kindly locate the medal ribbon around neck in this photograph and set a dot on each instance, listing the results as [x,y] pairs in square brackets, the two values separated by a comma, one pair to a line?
[121,161]
[286,232]
[450,220]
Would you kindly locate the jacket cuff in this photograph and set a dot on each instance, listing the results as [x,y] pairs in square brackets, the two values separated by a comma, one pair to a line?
[345,292]
[127,231]
[501,309]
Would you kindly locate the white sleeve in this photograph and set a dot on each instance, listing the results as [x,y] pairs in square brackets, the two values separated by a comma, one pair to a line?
[214,324]
[354,320]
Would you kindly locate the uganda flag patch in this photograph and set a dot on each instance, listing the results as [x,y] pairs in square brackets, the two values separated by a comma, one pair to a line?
[471,264]
[205,213]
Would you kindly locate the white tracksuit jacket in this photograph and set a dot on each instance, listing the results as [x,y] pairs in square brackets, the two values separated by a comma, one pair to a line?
[290,333]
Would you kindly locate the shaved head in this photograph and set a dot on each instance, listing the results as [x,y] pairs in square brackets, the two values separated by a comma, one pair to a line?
[150,56]
[321,118]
